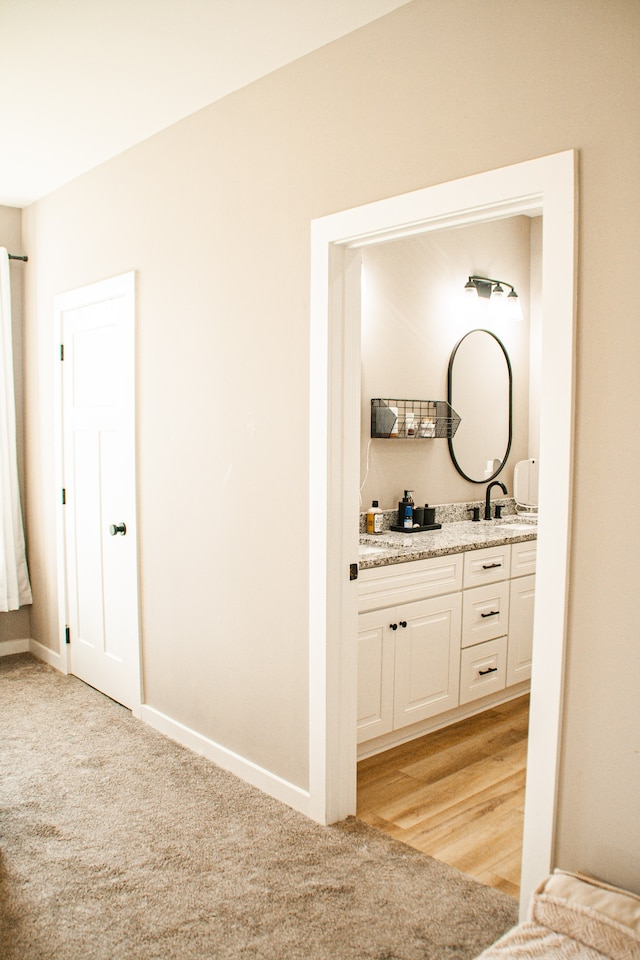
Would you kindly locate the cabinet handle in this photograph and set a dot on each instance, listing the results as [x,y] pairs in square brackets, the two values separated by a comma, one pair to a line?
[488,670]
[490,566]
[394,626]
[403,623]
[493,613]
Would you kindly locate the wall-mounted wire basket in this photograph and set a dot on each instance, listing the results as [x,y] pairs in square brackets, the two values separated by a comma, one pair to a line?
[412,419]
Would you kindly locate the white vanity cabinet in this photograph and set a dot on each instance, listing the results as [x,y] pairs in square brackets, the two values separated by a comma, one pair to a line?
[408,643]
[408,662]
[434,635]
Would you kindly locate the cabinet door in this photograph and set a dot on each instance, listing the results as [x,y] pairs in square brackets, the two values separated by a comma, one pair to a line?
[375,676]
[427,659]
[521,603]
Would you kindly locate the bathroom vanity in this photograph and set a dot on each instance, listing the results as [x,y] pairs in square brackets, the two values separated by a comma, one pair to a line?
[445,625]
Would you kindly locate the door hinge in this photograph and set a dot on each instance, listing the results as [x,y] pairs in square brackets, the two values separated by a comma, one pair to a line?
[353,571]
[64,496]
[62,351]
[67,634]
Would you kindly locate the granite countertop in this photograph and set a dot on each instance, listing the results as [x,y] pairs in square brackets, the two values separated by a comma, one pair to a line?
[379,550]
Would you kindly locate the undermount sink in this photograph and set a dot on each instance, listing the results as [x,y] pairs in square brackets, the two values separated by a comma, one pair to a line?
[506,525]
[372,547]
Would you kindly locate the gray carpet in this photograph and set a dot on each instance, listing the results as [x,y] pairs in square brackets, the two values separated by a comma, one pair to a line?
[118,844]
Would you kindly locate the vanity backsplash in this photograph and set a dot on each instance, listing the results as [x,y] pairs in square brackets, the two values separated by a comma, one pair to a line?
[445,512]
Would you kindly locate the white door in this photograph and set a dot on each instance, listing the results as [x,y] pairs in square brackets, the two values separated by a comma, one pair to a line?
[97,326]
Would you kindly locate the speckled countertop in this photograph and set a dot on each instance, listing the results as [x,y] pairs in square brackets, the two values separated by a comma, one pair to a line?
[385,548]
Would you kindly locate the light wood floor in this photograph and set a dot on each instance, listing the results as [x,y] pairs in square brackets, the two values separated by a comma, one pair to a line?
[456,794]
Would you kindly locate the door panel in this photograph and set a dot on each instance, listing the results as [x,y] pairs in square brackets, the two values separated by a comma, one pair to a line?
[522,601]
[97,330]
[427,660]
[375,677]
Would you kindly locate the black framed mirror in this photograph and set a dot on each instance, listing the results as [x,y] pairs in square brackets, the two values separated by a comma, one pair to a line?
[480,389]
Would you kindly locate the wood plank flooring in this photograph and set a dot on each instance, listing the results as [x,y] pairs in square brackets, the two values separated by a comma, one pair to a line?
[456,794]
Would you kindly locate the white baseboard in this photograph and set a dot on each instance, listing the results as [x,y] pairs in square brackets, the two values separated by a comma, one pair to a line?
[257,776]
[52,657]
[269,783]
[9,647]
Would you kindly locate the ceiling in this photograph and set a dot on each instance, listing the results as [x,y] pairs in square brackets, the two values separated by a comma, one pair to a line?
[83,80]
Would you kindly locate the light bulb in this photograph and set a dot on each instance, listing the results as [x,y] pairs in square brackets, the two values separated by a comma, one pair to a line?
[498,306]
[514,310]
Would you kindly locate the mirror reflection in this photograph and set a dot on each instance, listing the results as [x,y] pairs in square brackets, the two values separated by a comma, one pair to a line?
[480,390]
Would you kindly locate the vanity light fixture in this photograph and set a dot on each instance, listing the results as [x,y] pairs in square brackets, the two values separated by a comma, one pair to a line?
[493,290]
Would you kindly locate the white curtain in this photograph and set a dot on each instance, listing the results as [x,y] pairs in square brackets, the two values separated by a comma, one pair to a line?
[15,589]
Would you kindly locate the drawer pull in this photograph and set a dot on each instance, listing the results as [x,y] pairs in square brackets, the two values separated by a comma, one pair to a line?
[490,566]
[493,613]
[403,623]
[488,670]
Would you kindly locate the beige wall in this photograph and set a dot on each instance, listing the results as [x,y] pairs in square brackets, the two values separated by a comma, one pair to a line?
[14,625]
[414,312]
[213,214]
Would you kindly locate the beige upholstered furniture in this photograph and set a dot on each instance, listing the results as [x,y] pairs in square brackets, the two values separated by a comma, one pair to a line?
[573,917]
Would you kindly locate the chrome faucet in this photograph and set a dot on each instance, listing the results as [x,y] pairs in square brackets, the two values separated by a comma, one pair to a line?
[487,502]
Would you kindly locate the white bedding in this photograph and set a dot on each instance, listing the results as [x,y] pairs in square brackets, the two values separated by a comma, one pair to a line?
[572,917]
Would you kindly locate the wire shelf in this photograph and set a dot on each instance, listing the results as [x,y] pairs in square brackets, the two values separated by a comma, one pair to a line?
[412,419]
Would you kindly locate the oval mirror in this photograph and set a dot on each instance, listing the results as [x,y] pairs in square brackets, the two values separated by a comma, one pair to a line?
[480,391]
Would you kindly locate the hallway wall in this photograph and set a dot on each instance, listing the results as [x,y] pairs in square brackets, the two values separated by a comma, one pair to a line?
[214,216]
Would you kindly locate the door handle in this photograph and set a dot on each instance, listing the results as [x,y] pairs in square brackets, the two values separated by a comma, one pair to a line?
[120,528]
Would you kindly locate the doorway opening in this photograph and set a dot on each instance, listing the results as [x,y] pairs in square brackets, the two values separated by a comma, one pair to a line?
[449,786]
[544,187]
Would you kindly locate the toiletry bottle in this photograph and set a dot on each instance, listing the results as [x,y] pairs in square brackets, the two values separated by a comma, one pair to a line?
[374,518]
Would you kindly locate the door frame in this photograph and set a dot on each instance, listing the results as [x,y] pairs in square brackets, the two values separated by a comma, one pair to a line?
[122,286]
[546,186]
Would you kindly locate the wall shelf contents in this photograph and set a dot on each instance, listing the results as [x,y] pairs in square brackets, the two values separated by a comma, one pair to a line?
[412,419]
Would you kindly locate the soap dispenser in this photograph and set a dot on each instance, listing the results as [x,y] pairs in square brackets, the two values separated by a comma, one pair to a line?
[405,511]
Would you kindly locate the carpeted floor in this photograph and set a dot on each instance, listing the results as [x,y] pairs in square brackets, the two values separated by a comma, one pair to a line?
[118,844]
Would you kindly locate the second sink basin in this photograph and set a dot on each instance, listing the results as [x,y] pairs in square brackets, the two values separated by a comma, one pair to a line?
[529,527]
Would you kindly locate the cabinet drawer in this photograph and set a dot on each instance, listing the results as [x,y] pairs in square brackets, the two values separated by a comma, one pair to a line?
[523,558]
[485,613]
[483,669]
[487,565]
[406,582]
